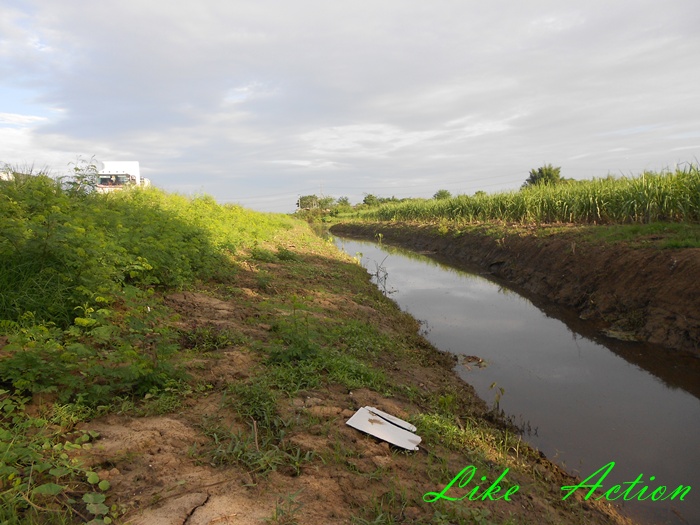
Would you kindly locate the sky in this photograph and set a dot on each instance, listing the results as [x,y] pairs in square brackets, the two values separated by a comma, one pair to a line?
[259,102]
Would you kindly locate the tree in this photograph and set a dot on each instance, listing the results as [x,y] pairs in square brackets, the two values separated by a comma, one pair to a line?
[442,194]
[344,202]
[307,202]
[326,203]
[85,176]
[547,174]
[371,200]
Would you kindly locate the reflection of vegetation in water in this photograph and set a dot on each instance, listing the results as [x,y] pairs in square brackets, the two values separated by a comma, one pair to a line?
[507,291]
[380,276]
[322,231]
[500,391]
[395,250]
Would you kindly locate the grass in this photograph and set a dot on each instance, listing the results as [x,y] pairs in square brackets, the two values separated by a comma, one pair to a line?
[286,510]
[661,234]
[650,197]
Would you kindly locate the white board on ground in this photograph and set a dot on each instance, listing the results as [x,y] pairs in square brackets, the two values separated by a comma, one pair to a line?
[385,426]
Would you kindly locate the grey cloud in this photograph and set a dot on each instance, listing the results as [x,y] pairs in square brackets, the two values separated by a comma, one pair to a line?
[249,98]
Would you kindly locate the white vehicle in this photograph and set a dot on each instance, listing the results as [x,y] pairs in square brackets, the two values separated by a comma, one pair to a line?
[116,175]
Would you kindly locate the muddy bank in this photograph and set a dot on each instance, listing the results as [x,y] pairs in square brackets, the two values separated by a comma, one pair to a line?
[642,294]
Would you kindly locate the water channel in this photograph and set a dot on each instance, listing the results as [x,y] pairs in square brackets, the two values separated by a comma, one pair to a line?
[578,401]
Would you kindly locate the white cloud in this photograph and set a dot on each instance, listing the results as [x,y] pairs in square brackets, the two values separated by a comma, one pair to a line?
[364,140]
[238,97]
[15,119]
[556,23]
[695,147]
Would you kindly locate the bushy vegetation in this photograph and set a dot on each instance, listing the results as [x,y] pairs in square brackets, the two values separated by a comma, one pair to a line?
[81,322]
[60,250]
[651,197]
[312,208]
[546,174]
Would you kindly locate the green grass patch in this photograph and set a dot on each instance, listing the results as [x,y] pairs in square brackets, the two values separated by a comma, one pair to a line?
[650,197]
[660,234]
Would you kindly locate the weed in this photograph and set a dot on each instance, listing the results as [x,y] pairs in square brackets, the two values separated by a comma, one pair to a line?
[263,255]
[286,510]
[283,254]
[304,375]
[297,352]
[380,276]
[258,451]
[457,516]
[447,404]
[256,401]
[36,472]
[386,509]
[295,459]
[208,338]
[263,279]
[500,392]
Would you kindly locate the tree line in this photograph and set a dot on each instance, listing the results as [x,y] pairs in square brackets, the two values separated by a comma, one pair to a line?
[313,205]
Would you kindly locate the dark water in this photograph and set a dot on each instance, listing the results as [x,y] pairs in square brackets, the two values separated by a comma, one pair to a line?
[579,402]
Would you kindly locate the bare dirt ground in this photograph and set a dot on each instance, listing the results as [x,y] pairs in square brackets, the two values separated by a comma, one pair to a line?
[161,470]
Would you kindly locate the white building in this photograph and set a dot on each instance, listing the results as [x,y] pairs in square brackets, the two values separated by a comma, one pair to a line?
[118,174]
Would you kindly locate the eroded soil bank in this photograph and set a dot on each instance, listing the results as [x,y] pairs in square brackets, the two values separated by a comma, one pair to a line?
[258,439]
[643,294]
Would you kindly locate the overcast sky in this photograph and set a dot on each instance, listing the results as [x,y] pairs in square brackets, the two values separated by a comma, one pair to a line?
[258,102]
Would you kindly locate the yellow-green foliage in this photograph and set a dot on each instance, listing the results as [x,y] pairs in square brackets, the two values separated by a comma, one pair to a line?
[77,275]
[83,324]
[60,249]
[648,198]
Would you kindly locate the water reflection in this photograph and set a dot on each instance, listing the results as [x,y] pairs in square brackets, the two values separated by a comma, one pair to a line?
[585,405]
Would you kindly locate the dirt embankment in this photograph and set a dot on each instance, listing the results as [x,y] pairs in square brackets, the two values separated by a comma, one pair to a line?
[204,458]
[643,294]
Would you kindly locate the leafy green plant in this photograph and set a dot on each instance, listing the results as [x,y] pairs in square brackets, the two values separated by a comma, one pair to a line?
[296,459]
[94,504]
[60,247]
[388,508]
[37,472]
[103,355]
[286,510]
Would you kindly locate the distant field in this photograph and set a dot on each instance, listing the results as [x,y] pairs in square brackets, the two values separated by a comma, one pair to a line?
[650,197]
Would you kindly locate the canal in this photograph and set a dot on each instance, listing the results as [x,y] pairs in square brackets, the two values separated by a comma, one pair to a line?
[575,399]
